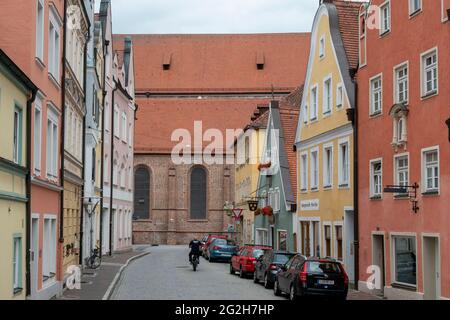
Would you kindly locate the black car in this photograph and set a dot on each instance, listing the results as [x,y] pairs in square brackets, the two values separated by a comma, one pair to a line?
[268,265]
[302,276]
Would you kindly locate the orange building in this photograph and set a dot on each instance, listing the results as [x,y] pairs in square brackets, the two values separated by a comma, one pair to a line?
[403,140]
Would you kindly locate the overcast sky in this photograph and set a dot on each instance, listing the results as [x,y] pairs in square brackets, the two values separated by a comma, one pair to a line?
[212,16]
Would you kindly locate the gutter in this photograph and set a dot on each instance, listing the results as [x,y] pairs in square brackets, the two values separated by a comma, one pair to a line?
[28,195]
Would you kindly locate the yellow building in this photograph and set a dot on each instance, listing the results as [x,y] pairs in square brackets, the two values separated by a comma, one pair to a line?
[248,148]
[16,95]
[324,140]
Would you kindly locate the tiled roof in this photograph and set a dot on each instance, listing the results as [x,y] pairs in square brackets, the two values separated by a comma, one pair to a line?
[221,62]
[348,12]
[159,118]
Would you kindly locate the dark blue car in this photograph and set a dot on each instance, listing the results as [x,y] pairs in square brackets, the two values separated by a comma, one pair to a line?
[221,249]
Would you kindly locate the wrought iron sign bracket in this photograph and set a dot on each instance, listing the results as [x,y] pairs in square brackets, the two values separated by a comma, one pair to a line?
[410,190]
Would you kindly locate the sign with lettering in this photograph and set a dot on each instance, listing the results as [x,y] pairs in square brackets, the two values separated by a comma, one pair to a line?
[309,205]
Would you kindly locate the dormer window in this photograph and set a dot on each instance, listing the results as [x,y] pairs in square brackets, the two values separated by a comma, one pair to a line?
[322,47]
[399,114]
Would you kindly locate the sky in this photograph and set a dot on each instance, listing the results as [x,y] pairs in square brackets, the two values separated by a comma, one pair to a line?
[212,16]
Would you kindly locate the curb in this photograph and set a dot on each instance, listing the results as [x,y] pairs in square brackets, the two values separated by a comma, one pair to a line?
[113,284]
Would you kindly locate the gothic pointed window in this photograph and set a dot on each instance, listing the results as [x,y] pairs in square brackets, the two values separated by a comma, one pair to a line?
[198,194]
[142,193]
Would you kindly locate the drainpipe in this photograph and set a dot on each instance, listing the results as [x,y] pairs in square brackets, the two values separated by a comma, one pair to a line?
[28,195]
[102,171]
[111,185]
[63,125]
[353,116]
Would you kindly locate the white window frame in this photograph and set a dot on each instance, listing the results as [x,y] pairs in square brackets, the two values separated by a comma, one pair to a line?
[372,111]
[423,71]
[373,194]
[305,114]
[398,81]
[328,168]
[54,42]
[49,249]
[414,11]
[40,22]
[383,30]
[396,169]
[123,127]
[304,171]
[324,247]
[338,224]
[52,157]
[327,100]
[17,127]
[314,103]
[342,183]
[37,136]
[314,167]
[339,99]
[116,121]
[17,262]
[424,168]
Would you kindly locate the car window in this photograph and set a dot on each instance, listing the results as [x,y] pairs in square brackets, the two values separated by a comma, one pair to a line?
[323,267]
[281,258]
[257,253]
[223,242]
[294,263]
[289,263]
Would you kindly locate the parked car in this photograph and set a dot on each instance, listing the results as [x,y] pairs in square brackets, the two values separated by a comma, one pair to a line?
[208,241]
[268,265]
[221,249]
[302,276]
[245,259]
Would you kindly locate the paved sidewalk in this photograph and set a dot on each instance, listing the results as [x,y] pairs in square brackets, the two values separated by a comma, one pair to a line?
[95,283]
[358,295]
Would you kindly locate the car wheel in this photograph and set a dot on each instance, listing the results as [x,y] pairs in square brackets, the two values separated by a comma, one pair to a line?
[292,293]
[255,277]
[241,273]
[276,289]
[231,269]
[267,283]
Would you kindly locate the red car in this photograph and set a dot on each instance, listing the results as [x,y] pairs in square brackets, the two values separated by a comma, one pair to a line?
[245,259]
[207,241]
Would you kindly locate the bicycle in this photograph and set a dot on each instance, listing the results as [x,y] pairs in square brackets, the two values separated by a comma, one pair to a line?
[94,261]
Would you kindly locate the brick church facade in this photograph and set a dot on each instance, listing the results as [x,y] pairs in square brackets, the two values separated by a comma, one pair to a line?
[191,81]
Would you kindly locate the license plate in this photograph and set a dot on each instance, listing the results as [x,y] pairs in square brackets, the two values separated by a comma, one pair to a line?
[327,282]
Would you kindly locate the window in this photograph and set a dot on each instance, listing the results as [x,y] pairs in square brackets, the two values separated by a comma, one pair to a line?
[322,47]
[116,122]
[17,136]
[314,103]
[198,194]
[49,249]
[54,45]
[376,97]
[339,244]
[122,176]
[401,84]
[376,181]
[327,234]
[344,164]
[274,199]
[37,135]
[402,171]
[385,19]
[261,237]
[430,73]
[327,96]
[414,6]
[107,120]
[305,114]
[282,240]
[339,96]
[430,165]
[314,170]
[124,127]
[130,135]
[40,30]
[94,156]
[105,169]
[17,265]
[304,172]
[328,167]
[52,144]
[405,260]
[247,150]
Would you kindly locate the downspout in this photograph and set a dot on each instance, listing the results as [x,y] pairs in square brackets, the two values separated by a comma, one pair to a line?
[102,171]
[356,186]
[63,129]
[83,174]
[111,170]
[28,195]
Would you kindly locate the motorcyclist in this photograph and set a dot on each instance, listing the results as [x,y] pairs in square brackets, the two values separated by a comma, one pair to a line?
[194,245]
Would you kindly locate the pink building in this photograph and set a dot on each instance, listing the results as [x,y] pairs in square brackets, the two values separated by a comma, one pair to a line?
[32,35]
